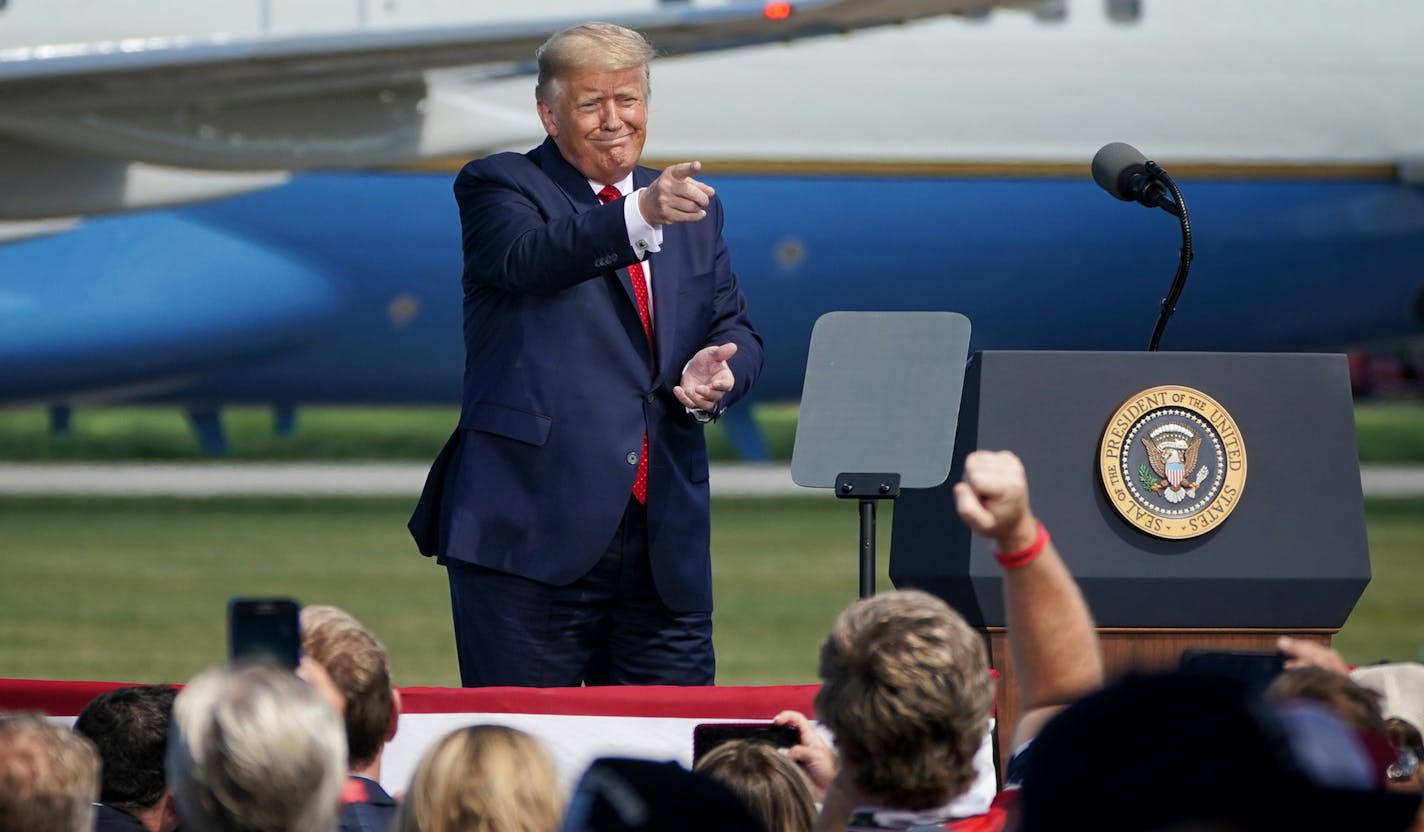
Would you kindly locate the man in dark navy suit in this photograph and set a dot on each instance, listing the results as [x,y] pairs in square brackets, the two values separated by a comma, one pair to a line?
[603,328]
[360,671]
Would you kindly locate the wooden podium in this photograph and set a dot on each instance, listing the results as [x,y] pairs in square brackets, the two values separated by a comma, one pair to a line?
[1290,557]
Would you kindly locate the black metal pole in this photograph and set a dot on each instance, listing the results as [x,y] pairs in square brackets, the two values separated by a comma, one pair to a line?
[867,548]
[868,489]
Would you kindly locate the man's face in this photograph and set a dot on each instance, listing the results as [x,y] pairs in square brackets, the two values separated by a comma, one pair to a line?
[599,121]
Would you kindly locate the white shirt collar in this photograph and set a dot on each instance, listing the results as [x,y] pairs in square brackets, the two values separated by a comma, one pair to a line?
[624,185]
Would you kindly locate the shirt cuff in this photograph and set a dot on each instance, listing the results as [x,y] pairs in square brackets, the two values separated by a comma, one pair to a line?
[644,238]
[703,416]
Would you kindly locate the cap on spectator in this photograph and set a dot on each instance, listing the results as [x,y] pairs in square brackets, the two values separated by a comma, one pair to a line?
[1400,686]
[1150,752]
[621,794]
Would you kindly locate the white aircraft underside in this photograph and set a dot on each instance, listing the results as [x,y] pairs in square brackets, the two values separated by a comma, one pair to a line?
[111,106]
[1187,81]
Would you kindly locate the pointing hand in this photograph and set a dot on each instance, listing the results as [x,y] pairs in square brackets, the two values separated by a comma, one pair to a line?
[675,196]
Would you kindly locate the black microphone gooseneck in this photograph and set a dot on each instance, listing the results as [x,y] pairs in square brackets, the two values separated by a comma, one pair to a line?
[1184,256]
[1122,170]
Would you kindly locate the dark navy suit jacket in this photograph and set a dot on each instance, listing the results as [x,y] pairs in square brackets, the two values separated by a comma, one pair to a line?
[560,381]
[365,807]
[109,819]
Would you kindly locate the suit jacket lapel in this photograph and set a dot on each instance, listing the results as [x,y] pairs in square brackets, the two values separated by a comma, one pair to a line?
[581,196]
[570,181]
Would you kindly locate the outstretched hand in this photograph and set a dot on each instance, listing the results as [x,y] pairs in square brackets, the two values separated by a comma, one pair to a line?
[675,196]
[707,378]
[1301,653]
[993,499]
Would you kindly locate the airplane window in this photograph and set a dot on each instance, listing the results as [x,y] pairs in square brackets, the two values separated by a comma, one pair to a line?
[1124,11]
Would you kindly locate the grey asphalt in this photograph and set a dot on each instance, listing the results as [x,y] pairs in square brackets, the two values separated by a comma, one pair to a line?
[202,479]
[405,479]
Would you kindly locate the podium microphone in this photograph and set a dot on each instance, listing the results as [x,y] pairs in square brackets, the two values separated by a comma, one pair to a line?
[1122,170]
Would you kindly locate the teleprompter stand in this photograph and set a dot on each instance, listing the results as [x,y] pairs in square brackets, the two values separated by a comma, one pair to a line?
[877,409]
[869,489]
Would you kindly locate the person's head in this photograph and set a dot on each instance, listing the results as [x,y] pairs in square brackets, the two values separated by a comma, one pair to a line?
[626,795]
[1353,705]
[1217,756]
[49,776]
[766,780]
[254,747]
[360,667]
[905,688]
[592,96]
[129,727]
[485,778]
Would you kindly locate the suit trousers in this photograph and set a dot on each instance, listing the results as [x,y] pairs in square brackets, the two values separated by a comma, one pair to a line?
[609,627]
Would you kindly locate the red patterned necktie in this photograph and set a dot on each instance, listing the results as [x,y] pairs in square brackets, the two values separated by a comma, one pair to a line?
[640,294]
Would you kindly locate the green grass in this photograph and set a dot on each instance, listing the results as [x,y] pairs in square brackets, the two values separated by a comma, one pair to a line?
[1387,432]
[1388,622]
[1390,432]
[134,589]
[323,433]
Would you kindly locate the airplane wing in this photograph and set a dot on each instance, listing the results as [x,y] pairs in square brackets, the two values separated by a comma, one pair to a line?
[110,126]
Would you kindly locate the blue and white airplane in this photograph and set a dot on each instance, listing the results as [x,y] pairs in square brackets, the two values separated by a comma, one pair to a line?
[936,165]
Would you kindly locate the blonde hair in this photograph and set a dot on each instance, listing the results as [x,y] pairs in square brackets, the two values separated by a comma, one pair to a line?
[906,691]
[360,667]
[590,46]
[49,776]
[766,780]
[485,778]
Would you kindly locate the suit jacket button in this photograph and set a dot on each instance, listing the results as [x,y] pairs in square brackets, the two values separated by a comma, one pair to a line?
[632,457]
[650,398]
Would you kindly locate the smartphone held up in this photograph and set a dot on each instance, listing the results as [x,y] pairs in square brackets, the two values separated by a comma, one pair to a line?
[265,628]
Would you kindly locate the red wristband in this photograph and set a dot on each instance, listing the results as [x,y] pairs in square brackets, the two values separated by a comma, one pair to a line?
[1026,555]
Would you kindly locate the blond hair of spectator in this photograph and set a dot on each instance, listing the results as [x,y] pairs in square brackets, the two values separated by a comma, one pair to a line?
[360,667]
[485,778]
[605,47]
[253,747]
[49,776]
[766,780]
[906,691]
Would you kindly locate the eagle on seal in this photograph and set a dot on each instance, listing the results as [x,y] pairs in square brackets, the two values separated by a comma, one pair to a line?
[1171,459]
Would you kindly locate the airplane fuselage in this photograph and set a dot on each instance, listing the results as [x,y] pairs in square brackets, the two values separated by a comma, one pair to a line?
[941,165]
[346,287]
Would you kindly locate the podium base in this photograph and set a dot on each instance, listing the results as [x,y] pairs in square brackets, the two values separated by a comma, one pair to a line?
[1126,649]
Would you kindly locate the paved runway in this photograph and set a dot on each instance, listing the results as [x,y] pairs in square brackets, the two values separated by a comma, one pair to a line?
[203,479]
[405,479]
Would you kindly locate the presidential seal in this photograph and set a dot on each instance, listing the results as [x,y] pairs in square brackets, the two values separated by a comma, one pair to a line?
[1172,462]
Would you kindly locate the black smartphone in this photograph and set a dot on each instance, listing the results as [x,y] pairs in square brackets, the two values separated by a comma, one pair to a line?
[1256,669]
[709,735]
[264,628]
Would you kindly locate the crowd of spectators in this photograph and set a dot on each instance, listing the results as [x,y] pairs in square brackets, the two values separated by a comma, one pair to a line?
[898,741]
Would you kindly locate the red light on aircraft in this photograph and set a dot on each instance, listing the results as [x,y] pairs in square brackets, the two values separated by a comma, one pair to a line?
[776,11]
